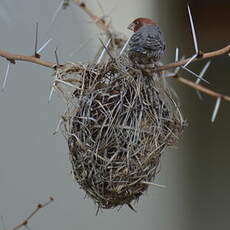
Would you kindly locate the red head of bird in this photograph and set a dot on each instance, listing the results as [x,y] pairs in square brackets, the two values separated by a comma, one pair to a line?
[139,22]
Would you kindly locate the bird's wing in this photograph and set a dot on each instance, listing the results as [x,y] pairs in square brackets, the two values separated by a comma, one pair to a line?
[149,38]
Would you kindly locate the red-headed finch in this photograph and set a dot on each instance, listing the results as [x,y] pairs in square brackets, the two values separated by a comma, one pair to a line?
[147,45]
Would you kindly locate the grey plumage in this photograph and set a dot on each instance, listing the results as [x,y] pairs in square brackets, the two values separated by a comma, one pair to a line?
[146,45]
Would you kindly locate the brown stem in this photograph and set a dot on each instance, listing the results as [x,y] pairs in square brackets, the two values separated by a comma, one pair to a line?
[202,88]
[100,22]
[212,54]
[14,57]
[39,206]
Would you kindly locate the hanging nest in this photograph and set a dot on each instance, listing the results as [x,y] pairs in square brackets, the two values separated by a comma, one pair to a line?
[119,120]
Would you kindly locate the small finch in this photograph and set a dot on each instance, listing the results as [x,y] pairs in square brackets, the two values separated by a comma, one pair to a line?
[147,45]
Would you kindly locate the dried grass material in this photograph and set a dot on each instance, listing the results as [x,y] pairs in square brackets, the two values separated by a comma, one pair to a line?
[118,122]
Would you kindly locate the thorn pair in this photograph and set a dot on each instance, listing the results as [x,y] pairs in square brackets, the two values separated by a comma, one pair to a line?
[36,54]
[197,55]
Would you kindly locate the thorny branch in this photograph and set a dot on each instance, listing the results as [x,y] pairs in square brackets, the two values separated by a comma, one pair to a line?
[26,220]
[101,23]
[202,88]
[18,57]
[13,57]
[225,50]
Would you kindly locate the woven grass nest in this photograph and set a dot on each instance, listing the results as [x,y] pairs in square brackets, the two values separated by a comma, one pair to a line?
[118,122]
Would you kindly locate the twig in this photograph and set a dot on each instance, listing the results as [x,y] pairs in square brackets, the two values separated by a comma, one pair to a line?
[14,57]
[39,206]
[212,54]
[18,57]
[202,88]
[100,22]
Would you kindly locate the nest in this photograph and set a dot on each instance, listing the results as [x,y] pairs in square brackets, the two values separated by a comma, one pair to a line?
[119,120]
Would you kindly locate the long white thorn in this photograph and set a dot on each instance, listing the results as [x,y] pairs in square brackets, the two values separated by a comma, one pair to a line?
[124,47]
[51,93]
[58,126]
[215,111]
[177,54]
[190,60]
[196,75]
[199,95]
[193,30]
[6,76]
[57,12]
[52,88]
[203,71]
[44,46]
[103,52]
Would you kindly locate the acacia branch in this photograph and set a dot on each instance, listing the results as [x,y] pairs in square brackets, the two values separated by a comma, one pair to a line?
[39,206]
[201,88]
[18,57]
[225,50]
[100,22]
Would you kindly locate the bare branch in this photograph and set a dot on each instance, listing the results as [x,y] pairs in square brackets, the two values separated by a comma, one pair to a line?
[18,57]
[202,88]
[26,220]
[100,22]
[225,50]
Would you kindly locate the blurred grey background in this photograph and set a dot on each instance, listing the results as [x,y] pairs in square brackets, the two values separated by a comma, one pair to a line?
[34,164]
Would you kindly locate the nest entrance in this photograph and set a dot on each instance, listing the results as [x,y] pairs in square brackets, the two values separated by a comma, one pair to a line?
[118,122]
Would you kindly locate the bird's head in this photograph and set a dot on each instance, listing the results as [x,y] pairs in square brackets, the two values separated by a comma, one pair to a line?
[139,22]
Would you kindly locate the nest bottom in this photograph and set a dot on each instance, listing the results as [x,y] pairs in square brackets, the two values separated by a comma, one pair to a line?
[117,125]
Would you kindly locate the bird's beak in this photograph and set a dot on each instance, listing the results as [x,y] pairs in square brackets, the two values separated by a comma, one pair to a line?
[131,26]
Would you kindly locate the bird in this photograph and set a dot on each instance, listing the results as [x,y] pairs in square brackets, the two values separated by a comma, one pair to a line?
[147,44]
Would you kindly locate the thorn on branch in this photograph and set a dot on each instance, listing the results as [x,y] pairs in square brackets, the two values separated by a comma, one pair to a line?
[124,47]
[39,206]
[194,74]
[103,51]
[36,42]
[193,31]
[44,46]
[106,49]
[203,71]
[56,57]
[216,108]
[177,54]
[6,76]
